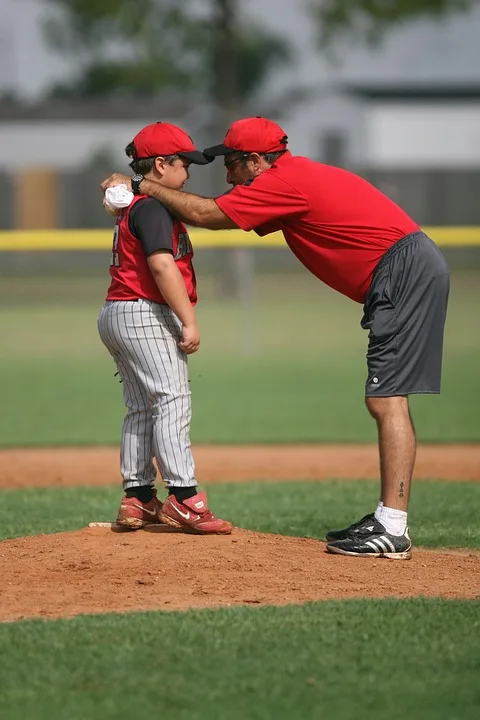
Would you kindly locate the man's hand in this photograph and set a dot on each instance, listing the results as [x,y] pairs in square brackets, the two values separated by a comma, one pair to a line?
[117,179]
[190,341]
[192,209]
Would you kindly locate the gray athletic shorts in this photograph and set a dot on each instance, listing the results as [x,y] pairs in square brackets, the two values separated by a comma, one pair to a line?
[405,313]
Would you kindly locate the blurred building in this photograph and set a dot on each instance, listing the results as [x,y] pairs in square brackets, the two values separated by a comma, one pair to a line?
[406,115]
[420,145]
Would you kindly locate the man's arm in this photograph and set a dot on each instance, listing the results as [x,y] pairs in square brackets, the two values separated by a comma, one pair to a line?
[193,209]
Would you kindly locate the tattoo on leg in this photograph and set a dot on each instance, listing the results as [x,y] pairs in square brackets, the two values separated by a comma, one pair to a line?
[401,493]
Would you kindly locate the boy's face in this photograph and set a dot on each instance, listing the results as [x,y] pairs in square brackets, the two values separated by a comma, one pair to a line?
[173,175]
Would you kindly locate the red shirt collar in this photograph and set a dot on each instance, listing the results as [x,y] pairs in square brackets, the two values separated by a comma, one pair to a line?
[282,158]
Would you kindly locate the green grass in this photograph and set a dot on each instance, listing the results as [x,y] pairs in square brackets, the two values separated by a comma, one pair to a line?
[416,659]
[51,402]
[286,366]
[274,369]
[441,514]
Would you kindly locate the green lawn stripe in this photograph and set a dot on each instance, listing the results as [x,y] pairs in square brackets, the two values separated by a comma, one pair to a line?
[285,399]
[287,368]
[416,659]
[442,514]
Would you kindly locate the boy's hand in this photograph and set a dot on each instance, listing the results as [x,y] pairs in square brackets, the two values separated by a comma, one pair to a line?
[190,341]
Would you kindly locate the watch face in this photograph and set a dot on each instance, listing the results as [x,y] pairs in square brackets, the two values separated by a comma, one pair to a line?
[136,180]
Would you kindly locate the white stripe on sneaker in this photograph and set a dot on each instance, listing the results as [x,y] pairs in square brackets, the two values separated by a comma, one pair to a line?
[381,542]
[384,544]
[389,543]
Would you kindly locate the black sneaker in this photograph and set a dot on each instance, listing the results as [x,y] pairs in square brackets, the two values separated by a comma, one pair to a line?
[351,530]
[374,542]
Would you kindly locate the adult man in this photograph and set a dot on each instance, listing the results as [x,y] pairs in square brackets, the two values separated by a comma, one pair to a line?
[148,325]
[362,244]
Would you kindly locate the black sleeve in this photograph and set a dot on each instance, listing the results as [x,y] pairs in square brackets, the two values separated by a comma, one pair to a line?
[152,224]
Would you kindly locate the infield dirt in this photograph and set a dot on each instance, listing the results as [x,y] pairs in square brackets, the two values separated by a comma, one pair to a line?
[47,467]
[96,570]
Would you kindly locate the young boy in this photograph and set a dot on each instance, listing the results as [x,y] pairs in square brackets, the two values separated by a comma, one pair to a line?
[148,325]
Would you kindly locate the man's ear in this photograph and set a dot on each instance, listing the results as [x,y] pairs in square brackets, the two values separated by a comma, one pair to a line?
[255,158]
[258,162]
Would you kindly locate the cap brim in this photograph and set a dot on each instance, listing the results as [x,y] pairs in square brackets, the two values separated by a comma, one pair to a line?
[216,150]
[196,157]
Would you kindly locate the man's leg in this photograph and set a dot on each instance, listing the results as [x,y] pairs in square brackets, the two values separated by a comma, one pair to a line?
[404,314]
[385,532]
[397,447]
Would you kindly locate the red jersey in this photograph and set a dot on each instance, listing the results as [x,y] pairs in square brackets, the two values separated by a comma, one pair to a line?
[131,275]
[335,222]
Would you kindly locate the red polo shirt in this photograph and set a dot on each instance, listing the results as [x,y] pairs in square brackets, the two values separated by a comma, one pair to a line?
[336,223]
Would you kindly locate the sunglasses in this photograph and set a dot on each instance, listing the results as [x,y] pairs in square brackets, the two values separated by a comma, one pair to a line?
[233,162]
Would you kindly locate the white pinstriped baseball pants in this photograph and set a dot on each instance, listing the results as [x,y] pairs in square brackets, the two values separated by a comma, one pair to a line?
[142,337]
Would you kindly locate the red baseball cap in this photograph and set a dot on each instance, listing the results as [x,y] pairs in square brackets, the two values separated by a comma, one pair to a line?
[161,138]
[255,134]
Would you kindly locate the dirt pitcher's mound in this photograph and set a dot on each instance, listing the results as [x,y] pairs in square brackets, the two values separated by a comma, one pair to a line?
[62,467]
[97,571]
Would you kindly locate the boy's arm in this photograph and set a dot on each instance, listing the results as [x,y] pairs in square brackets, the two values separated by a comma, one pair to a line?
[170,282]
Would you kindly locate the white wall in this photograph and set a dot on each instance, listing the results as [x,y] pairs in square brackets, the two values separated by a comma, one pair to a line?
[426,135]
[379,135]
[306,124]
[69,145]
[64,144]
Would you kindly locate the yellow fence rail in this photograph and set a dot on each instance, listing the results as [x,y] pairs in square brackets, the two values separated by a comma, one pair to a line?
[62,240]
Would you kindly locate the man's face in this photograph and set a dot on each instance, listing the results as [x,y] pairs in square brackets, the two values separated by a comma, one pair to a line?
[239,167]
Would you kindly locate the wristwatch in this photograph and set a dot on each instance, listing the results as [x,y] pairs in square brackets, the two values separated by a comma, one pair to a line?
[136,180]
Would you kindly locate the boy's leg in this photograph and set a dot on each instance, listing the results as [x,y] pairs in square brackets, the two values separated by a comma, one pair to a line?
[139,506]
[143,339]
[136,453]
[162,370]
[117,326]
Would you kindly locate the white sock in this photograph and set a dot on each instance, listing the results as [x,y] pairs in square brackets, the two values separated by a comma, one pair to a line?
[394,521]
